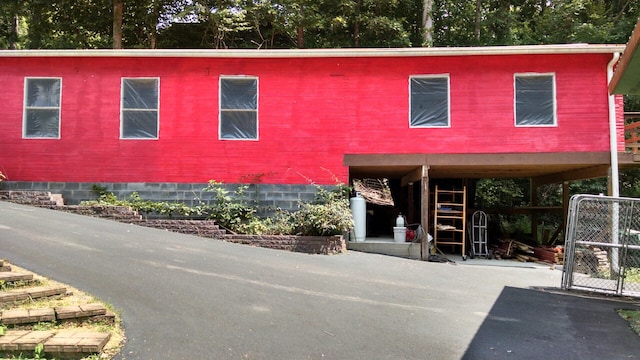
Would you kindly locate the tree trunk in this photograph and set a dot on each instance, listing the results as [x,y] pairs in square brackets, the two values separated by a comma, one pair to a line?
[300,37]
[427,23]
[356,26]
[301,29]
[13,36]
[118,6]
[153,24]
[476,30]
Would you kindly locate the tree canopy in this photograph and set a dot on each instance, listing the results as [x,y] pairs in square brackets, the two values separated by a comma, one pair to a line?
[261,24]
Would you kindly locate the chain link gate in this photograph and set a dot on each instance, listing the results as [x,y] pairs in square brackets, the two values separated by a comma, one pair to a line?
[602,246]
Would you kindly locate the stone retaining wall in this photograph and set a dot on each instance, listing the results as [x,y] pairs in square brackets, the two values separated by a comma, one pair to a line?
[203,228]
[325,245]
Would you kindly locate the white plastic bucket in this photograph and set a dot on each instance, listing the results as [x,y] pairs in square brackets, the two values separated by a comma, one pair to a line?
[399,234]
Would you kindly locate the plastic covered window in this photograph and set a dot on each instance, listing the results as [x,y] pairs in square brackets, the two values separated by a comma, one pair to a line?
[535,100]
[239,108]
[429,101]
[42,108]
[140,108]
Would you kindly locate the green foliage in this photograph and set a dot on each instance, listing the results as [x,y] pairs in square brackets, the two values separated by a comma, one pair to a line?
[499,193]
[230,210]
[328,215]
[63,24]
[633,317]
[38,352]
[44,326]
[135,202]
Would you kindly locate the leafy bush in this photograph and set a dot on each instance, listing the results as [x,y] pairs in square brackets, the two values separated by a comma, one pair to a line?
[329,215]
[140,205]
[230,212]
[280,223]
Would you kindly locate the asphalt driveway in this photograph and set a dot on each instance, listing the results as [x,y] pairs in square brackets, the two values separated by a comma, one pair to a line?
[185,297]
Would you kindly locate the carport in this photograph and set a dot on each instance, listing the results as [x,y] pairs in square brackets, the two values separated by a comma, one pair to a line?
[414,175]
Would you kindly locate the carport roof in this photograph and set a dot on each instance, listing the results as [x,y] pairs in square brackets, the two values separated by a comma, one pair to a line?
[545,167]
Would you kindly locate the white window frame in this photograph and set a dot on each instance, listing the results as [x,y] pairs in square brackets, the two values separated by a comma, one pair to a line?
[123,110]
[515,102]
[221,110]
[27,107]
[431,76]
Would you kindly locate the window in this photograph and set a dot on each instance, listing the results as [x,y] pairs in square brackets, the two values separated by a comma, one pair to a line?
[139,108]
[535,103]
[42,108]
[239,108]
[429,102]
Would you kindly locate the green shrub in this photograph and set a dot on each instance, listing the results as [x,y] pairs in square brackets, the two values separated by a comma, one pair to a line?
[231,212]
[328,215]
[140,205]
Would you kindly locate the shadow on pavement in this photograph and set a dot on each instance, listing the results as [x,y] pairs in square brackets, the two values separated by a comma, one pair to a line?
[535,324]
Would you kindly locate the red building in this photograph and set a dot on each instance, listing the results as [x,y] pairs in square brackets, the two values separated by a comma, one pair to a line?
[73,118]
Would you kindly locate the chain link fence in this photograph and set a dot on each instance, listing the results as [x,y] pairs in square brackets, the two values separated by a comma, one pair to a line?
[602,249]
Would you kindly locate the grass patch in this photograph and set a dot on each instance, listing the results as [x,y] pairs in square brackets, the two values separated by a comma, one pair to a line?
[633,317]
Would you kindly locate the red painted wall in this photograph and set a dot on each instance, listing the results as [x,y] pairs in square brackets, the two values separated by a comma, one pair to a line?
[312,111]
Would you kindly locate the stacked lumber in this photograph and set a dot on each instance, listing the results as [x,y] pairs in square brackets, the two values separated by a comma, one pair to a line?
[516,250]
[513,249]
[553,255]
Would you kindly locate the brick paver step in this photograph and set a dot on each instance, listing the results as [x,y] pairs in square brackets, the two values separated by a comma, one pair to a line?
[80,311]
[76,342]
[23,340]
[61,344]
[13,277]
[30,316]
[30,293]
[26,316]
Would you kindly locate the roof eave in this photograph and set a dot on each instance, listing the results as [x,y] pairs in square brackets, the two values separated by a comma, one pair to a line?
[626,78]
[320,53]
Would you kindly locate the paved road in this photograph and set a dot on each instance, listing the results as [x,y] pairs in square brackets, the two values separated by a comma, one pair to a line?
[184,297]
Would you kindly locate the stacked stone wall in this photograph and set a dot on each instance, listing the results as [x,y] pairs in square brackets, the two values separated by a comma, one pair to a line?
[203,228]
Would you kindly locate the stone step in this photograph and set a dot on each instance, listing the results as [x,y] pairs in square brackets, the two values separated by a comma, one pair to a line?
[13,277]
[62,313]
[62,344]
[31,293]
[35,198]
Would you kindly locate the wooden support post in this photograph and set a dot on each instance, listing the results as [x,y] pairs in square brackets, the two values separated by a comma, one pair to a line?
[565,207]
[424,213]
